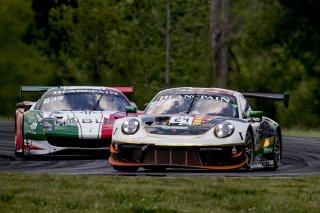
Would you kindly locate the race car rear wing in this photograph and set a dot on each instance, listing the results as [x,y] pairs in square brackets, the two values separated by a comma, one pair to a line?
[269,96]
[33,89]
[124,90]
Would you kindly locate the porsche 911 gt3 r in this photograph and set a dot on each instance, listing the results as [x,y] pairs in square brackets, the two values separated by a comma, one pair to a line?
[68,119]
[207,128]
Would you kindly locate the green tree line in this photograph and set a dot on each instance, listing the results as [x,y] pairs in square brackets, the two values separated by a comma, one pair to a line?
[273,47]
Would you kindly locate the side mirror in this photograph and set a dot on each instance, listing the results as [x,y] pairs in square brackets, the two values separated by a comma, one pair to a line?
[21,105]
[131,109]
[145,105]
[133,104]
[256,114]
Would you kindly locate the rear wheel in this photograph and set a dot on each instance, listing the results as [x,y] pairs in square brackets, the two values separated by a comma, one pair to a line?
[126,168]
[249,148]
[19,154]
[276,152]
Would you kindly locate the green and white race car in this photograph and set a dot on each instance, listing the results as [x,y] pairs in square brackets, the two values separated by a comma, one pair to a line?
[69,119]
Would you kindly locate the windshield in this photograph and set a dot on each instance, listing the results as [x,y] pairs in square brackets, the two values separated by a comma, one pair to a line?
[197,104]
[81,101]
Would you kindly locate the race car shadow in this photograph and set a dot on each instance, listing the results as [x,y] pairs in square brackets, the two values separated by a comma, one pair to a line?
[188,172]
[175,172]
[92,155]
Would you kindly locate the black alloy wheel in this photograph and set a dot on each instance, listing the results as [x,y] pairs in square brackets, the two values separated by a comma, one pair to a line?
[249,149]
[277,152]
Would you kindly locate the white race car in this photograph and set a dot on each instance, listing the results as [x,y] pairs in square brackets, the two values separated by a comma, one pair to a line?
[207,128]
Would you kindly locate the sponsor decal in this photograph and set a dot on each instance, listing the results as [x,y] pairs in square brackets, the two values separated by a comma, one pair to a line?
[63,122]
[197,121]
[96,120]
[265,143]
[34,126]
[86,120]
[262,163]
[60,122]
[52,99]
[256,165]
[156,103]
[164,98]
[234,150]
[181,120]
[268,150]
[195,96]
[86,91]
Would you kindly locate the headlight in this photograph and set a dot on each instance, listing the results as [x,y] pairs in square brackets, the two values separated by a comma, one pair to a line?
[223,130]
[130,126]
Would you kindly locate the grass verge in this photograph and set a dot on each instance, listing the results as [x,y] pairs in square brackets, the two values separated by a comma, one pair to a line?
[68,193]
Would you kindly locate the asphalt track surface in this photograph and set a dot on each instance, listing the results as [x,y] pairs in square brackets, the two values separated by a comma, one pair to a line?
[301,157]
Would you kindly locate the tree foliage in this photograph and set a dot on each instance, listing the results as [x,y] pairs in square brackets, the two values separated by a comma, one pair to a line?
[276,50]
[19,62]
[272,47]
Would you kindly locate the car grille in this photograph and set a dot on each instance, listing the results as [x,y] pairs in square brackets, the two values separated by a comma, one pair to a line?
[178,156]
[181,157]
[79,143]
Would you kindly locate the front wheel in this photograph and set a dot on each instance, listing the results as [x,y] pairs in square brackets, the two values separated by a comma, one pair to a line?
[126,168]
[249,149]
[19,154]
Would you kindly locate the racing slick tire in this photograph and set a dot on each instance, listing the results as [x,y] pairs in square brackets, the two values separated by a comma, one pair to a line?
[249,149]
[18,154]
[277,152]
[126,168]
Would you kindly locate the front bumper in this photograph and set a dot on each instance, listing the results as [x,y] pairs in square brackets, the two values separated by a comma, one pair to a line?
[207,157]
[64,146]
